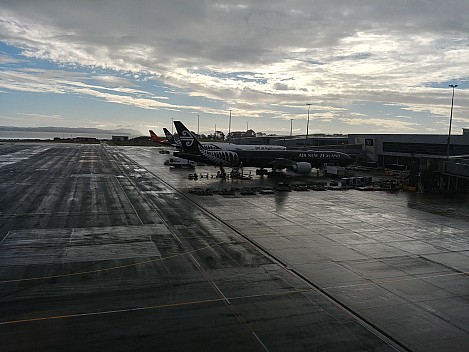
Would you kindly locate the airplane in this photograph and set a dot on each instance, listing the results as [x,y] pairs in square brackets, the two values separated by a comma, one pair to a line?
[225,146]
[171,140]
[300,162]
[157,139]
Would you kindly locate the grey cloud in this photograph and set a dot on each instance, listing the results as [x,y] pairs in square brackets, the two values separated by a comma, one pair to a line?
[357,50]
[281,86]
[178,29]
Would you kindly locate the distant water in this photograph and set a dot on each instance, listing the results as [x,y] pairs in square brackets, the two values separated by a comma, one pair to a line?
[52,135]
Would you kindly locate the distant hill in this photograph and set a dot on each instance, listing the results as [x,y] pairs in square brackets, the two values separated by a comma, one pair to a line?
[73,130]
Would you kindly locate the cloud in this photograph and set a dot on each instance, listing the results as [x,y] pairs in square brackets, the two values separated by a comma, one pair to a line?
[63,82]
[42,117]
[281,86]
[7,59]
[264,58]
[383,125]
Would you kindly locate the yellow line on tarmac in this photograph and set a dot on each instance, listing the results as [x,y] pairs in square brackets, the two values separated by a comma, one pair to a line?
[106,312]
[105,269]
[126,310]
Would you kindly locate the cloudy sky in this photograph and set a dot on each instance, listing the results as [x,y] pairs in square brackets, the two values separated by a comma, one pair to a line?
[380,66]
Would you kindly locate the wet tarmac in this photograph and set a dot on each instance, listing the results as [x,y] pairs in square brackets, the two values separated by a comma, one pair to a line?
[104,248]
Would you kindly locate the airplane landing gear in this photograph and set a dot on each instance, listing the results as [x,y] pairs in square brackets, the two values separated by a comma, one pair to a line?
[222,173]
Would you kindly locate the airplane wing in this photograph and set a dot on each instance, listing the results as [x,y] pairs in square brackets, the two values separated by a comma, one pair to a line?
[298,167]
[281,163]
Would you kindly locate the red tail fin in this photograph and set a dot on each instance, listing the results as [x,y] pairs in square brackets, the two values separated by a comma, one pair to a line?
[155,138]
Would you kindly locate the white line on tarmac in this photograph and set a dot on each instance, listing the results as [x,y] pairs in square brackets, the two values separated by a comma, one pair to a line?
[4,238]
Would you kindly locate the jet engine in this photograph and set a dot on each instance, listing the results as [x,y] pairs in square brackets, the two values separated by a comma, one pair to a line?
[301,167]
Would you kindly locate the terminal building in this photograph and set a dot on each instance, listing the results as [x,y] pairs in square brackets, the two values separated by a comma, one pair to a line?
[432,165]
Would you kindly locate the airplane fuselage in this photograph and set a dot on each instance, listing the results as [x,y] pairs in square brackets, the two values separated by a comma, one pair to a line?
[298,161]
[266,158]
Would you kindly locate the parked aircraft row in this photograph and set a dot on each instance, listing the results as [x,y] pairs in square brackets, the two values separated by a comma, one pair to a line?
[170,140]
[231,155]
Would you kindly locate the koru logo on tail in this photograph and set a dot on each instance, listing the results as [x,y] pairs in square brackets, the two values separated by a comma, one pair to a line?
[187,138]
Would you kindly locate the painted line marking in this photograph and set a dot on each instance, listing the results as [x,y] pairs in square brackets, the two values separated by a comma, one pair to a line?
[259,340]
[108,269]
[161,306]
[4,238]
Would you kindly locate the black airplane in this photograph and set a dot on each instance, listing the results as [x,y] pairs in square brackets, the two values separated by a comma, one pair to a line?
[224,146]
[171,140]
[298,161]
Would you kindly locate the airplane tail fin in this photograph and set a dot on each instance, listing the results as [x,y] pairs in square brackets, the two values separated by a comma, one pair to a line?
[167,133]
[189,142]
[154,137]
[170,137]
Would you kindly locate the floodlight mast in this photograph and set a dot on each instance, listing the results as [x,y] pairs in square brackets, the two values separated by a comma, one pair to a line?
[307,125]
[450,121]
[229,129]
[291,128]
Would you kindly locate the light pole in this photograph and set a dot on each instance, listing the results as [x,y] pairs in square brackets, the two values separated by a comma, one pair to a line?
[172,125]
[229,129]
[291,129]
[198,134]
[450,122]
[307,125]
